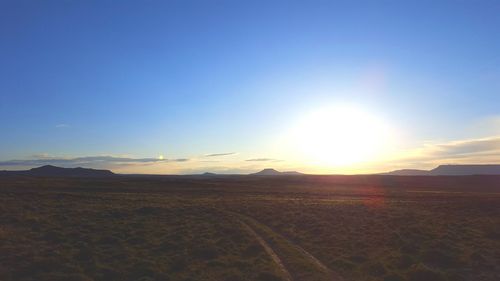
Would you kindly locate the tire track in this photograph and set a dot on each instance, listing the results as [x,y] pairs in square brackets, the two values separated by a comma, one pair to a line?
[333,276]
[269,251]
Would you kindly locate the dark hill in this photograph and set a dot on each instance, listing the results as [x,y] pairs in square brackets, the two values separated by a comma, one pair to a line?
[408,172]
[273,172]
[463,170]
[53,171]
[451,170]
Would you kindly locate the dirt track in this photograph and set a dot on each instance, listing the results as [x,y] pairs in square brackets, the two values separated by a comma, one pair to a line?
[331,275]
[269,251]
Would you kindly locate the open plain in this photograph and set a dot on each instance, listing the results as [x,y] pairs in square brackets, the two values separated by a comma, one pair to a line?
[230,228]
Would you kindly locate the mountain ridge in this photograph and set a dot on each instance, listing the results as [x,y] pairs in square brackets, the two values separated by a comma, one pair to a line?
[450,170]
[54,171]
[273,172]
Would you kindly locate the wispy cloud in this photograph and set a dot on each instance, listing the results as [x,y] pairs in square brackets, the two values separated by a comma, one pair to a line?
[62,125]
[220,154]
[45,159]
[466,147]
[473,151]
[215,169]
[42,156]
[262,160]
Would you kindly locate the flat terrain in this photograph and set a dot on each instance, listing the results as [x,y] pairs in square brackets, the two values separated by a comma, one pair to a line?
[250,228]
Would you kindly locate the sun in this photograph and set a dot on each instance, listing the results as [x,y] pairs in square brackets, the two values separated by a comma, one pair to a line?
[340,136]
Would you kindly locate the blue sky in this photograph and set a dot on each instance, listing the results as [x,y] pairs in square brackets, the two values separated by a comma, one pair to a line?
[187,79]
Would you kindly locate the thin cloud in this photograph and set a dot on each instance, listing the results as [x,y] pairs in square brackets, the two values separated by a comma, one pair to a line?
[484,150]
[87,160]
[468,147]
[220,154]
[222,170]
[262,160]
[61,126]
[42,156]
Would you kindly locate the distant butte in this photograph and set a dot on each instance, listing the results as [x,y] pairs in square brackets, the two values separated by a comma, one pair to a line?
[53,171]
[451,170]
[273,172]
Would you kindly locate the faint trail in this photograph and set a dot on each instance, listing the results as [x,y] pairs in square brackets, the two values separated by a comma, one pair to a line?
[268,250]
[333,276]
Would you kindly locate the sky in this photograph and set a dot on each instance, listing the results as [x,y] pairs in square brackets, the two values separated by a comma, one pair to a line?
[180,87]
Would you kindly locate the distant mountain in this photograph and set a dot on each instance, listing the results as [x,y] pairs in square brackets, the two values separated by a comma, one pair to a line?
[450,170]
[407,172]
[273,172]
[460,170]
[53,171]
[208,174]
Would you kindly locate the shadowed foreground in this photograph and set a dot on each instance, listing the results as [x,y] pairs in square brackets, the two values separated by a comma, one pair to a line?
[250,228]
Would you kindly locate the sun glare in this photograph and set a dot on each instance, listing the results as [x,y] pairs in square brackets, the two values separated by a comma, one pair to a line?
[341,136]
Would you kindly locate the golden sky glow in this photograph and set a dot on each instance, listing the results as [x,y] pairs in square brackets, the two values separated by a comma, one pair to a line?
[341,135]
